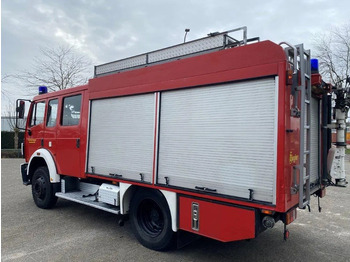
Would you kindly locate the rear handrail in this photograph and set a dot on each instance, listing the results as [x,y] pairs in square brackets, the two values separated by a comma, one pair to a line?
[295,55]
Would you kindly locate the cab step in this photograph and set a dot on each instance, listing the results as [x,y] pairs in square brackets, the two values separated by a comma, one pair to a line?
[88,201]
[86,194]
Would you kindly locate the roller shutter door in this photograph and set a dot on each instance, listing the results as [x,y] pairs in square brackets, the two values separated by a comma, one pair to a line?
[121,138]
[222,138]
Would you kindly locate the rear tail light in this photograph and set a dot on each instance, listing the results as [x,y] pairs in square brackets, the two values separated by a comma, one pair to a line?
[291,216]
[289,77]
[267,212]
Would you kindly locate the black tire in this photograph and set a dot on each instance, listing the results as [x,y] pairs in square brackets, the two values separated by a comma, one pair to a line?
[151,220]
[42,190]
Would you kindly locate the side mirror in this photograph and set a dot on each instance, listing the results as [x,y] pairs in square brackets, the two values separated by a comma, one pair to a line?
[20,109]
[20,112]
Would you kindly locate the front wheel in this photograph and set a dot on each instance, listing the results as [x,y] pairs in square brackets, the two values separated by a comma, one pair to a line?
[42,189]
[151,220]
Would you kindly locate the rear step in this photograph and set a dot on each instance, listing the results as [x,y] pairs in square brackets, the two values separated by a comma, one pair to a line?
[86,196]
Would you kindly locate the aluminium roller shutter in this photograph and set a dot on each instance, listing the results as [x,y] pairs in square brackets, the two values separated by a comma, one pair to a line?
[221,137]
[121,138]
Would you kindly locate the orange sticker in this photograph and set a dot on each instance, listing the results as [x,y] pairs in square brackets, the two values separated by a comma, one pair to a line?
[31,140]
[293,159]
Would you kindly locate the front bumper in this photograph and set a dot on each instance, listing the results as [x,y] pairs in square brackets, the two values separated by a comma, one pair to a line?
[25,178]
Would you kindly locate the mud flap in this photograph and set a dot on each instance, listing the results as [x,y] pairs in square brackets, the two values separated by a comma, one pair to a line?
[25,178]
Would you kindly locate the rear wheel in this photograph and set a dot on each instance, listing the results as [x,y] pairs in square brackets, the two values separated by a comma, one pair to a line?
[151,220]
[42,189]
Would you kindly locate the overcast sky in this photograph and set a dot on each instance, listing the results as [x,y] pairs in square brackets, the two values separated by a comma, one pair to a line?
[109,30]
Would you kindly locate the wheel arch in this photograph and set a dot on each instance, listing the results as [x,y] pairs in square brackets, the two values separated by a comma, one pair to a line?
[127,191]
[43,157]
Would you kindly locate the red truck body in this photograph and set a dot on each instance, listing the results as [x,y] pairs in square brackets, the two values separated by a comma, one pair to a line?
[199,210]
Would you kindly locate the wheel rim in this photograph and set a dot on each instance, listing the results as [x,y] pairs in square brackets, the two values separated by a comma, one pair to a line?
[39,188]
[150,218]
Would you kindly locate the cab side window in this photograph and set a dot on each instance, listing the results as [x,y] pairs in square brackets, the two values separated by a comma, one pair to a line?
[52,113]
[71,110]
[38,114]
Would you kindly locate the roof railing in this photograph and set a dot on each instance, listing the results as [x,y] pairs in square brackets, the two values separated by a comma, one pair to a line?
[211,43]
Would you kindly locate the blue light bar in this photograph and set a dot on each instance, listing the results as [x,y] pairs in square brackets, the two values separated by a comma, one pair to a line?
[314,66]
[42,90]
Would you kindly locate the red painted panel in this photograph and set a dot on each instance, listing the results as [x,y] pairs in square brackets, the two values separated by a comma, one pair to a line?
[221,222]
[290,155]
[68,155]
[59,93]
[202,80]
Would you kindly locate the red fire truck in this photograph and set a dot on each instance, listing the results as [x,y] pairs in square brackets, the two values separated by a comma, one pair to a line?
[216,137]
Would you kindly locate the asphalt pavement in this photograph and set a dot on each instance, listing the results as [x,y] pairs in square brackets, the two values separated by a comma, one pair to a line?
[73,232]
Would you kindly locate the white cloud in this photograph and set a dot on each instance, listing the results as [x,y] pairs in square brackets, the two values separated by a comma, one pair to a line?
[69,38]
[44,9]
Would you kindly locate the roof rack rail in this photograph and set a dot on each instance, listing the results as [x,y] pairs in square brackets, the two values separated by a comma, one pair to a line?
[211,43]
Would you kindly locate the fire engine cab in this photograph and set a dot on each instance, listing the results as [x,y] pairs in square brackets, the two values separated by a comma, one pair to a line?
[217,137]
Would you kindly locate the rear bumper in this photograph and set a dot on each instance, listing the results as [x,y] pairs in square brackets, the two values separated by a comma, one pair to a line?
[25,178]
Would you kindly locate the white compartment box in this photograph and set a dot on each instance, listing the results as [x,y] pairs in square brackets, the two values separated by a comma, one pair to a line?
[109,194]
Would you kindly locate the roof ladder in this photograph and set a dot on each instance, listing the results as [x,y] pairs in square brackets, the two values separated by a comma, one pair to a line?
[305,124]
[300,62]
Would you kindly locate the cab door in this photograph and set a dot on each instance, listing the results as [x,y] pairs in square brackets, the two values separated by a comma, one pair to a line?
[50,142]
[35,128]
[68,136]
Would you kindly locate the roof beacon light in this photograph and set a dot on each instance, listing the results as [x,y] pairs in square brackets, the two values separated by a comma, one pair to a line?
[42,90]
[314,66]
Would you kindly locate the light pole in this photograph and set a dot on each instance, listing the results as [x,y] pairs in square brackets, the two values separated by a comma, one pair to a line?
[186,31]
